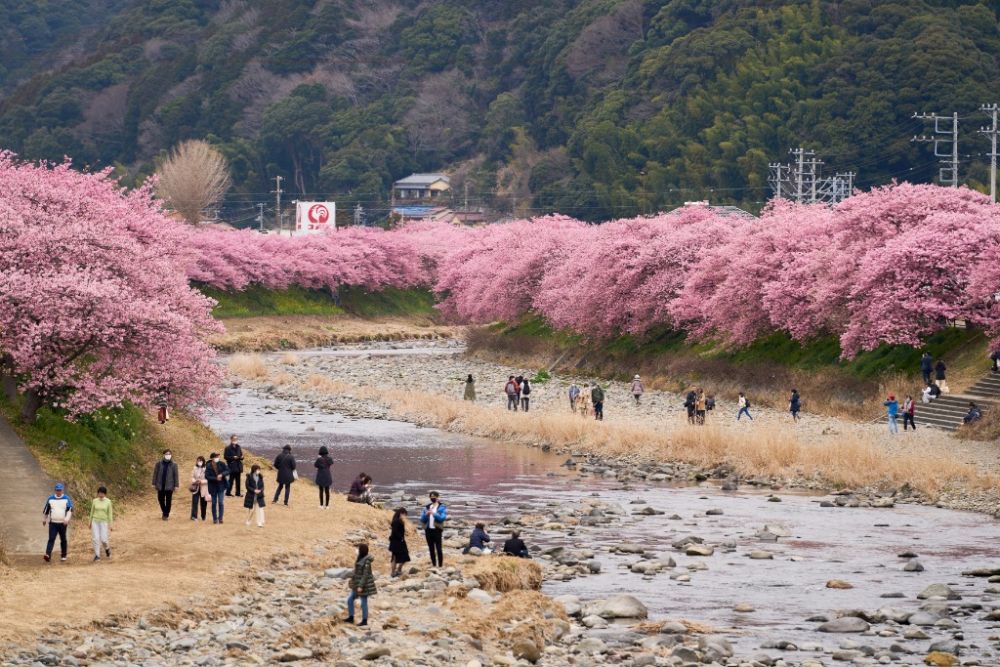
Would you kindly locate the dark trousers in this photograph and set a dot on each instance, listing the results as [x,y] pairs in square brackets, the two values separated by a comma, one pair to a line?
[60,530]
[927,377]
[324,496]
[234,480]
[744,411]
[908,419]
[196,499]
[524,403]
[277,492]
[433,536]
[512,402]
[166,499]
[218,502]
[599,410]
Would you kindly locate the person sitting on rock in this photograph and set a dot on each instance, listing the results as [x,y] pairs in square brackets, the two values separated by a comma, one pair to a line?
[478,539]
[515,546]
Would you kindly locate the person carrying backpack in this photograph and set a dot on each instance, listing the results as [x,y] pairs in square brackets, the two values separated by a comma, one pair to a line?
[525,392]
[744,405]
[690,403]
[597,398]
[511,390]
[574,391]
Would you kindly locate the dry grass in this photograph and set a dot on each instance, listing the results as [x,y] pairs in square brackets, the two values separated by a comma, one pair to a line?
[290,359]
[505,573]
[250,366]
[517,615]
[768,450]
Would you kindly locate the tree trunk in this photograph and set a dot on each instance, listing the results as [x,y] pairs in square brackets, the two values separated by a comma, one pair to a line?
[29,408]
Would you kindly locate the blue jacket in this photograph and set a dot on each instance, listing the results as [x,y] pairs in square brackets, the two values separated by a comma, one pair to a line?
[479,538]
[892,408]
[213,470]
[440,516]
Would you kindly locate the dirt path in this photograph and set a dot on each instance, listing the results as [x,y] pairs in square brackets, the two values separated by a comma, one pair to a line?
[157,562]
[23,490]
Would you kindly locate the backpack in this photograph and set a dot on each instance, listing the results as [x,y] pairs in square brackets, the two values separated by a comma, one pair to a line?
[526,389]
[746,402]
[709,403]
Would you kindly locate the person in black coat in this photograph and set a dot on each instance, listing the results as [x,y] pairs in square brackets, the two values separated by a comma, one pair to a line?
[515,546]
[234,459]
[397,542]
[217,476]
[255,495]
[285,465]
[324,476]
[165,480]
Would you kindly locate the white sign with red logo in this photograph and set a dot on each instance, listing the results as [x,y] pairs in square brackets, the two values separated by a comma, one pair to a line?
[315,216]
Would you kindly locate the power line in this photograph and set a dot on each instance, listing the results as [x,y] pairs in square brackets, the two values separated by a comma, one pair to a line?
[949,172]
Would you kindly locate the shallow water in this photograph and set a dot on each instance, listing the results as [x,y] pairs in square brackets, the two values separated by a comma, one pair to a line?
[484,479]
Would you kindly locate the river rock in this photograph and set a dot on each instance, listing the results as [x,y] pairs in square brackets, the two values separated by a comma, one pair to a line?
[744,608]
[525,649]
[591,645]
[481,596]
[715,511]
[295,654]
[699,550]
[715,648]
[338,573]
[845,624]
[913,565]
[761,555]
[839,584]
[940,659]
[618,606]
[593,621]
[938,591]
[922,618]
[376,653]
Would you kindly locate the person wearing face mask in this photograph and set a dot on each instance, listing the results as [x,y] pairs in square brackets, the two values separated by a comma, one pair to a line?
[165,480]
[254,500]
[433,518]
[234,460]
[217,474]
[199,489]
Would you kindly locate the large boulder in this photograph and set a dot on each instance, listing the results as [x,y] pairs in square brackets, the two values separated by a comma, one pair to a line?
[845,624]
[939,591]
[618,606]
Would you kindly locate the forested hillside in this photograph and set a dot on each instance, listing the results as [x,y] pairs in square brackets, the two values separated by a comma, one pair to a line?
[596,108]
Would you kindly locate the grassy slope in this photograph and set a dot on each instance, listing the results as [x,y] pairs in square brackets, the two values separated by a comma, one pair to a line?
[256,301]
[113,448]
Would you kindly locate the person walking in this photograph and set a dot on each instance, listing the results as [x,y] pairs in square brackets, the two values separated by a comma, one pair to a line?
[470,389]
[234,461]
[597,397]
[939,375]
[744,407]
[255,495]
[574,392]
[433,517]
[57,512]
[397,543]
[478,539]
[324,476]
[511,390]
[691,405]
[361,490]
[362,585]
[199,489]
[515,546]
[909,408]
[699,407]
[165,480]
[926,366]
[637,389]
[583,401]
[101,517]
[284,463]
[795,404]
[525,394]
[217,474]
[892,412]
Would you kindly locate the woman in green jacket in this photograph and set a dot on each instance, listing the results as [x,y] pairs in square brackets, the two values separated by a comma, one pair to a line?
[362,584]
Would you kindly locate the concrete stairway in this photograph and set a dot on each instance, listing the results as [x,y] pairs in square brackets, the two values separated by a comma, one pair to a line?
[948,410]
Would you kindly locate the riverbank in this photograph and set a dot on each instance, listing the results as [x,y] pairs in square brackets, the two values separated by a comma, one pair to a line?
[816,452]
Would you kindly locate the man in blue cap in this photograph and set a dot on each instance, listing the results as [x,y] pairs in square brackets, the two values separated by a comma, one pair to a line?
[57,512]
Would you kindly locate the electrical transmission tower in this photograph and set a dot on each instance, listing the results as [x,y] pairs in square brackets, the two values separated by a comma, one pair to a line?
[948,174]
[992,132]
[800,180]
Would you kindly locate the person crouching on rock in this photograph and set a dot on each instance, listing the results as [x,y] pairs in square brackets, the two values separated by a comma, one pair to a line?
[433,517]
[362,585]
[397,542]
[361,490]
[478,539]
[515,546]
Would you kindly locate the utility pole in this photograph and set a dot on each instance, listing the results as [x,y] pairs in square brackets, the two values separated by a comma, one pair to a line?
[780,179]
[992,131]
[948,174]
[465,187]
[277,202]
[260,216]
[800,181]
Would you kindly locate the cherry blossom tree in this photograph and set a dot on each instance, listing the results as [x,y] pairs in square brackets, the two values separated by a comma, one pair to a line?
[93,309]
